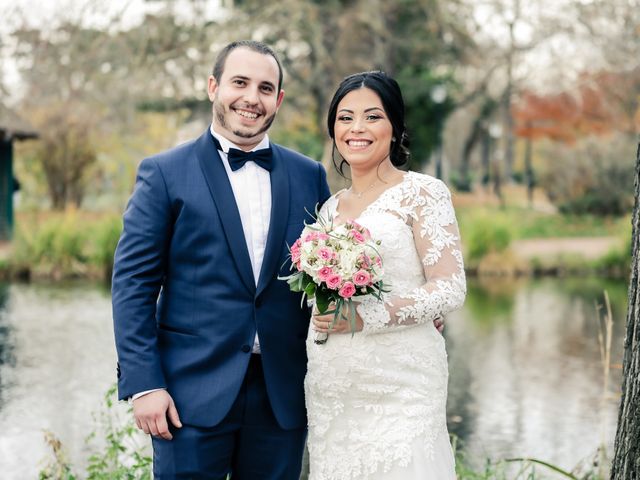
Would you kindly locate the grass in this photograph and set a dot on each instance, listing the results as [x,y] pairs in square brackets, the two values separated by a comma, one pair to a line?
[538,220]
[525,223]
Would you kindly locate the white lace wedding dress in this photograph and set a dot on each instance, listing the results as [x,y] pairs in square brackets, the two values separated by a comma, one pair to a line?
[376,400]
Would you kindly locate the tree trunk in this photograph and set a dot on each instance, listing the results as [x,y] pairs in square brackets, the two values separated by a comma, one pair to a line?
[509,122]
[486,160]
[464,182]
[528,170]
[626,460]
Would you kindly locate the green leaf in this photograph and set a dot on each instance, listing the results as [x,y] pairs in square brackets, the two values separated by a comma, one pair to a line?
[310,289]
[322,301]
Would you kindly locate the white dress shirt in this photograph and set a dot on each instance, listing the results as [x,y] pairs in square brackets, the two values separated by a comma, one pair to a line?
[251,187]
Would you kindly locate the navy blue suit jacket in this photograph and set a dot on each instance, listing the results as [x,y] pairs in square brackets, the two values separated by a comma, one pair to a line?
[185,304]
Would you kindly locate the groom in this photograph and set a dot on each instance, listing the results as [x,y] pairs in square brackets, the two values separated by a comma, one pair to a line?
[211,346]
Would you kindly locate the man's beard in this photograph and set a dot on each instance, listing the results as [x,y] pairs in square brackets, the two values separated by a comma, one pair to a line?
[220,113]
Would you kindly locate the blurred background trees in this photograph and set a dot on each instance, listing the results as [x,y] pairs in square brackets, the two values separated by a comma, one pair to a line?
[541,93]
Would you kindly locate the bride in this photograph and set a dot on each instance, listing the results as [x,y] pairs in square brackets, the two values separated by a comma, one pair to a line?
[376,399]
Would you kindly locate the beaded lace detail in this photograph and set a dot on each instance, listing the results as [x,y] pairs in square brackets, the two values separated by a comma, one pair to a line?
[372,395]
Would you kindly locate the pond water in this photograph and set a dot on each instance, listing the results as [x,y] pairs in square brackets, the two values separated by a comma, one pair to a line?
[526,377]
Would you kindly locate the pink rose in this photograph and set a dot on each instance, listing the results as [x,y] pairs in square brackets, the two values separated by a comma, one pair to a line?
[362,229]
[324,273]
[333,281]
[325,253]
[295,251]
[347,290]
[361,278]
[357,236]
[310,237]
[323,236]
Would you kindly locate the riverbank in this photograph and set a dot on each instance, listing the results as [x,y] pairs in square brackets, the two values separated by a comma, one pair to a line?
[514,240]
[601,256]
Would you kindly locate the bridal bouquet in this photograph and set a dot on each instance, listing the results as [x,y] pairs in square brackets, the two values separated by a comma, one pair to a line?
[332,264]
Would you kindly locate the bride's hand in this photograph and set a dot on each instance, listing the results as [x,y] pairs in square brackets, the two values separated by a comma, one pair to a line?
[322,323]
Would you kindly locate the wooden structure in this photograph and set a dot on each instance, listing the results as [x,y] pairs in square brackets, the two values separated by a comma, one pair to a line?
[12,128]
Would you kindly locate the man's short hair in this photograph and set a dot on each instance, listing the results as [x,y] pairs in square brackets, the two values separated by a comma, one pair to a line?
[218,67]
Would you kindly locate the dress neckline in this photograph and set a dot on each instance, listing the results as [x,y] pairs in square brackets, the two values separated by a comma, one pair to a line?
[383,194]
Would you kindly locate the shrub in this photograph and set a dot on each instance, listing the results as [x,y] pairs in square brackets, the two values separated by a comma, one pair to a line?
[617,261]
[104,239]
[56,247]
[486,235]
[66,245]
[594,176]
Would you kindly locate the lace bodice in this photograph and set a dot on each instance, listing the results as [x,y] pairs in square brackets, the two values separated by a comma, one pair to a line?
[372,396]
[421,251]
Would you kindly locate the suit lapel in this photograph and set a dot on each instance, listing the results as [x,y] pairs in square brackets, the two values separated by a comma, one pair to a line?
[220,189]
[278,221]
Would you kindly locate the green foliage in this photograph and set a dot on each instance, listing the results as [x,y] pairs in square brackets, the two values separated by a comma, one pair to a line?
[105,238]
[66,245]
[57,245]
[121,457]
[618,259]
[526,468]
[300,134]
[486,235]
[429,101]
[526,223]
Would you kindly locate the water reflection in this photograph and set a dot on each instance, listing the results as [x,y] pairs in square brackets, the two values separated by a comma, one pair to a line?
[61,342]
[526,377]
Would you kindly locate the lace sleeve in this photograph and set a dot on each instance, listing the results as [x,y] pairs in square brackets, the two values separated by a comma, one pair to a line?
[437,241]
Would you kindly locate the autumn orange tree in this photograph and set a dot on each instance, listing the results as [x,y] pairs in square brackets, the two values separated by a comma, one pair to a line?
[595,108]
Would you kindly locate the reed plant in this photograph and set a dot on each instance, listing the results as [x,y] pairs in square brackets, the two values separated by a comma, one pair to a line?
[65,245]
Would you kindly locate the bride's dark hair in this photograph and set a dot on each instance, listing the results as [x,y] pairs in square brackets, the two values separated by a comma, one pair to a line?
[391,97]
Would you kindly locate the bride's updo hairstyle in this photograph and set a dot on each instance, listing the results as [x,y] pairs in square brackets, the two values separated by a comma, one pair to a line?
[391,97]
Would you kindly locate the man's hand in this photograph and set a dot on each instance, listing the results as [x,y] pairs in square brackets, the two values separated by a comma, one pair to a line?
[438,322]
[151,412]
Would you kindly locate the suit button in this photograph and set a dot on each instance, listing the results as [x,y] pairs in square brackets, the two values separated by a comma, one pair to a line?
[258,302]
[246,348]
